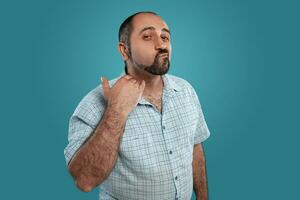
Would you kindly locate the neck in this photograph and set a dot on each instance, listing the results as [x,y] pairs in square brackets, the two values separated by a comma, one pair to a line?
[154,83]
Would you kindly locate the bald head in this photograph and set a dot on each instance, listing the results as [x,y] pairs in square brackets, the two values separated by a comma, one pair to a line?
[144,43]
[126,27]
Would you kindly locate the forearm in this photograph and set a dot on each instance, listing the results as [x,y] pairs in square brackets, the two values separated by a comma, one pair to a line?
[199,173]
[96,158]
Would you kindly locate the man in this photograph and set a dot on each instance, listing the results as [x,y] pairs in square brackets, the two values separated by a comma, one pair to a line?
[139,136]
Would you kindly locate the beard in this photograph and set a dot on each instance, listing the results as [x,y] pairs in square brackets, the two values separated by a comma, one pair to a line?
[160,65]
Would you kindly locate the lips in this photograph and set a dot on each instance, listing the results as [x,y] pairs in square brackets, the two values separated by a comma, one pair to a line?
[163,54]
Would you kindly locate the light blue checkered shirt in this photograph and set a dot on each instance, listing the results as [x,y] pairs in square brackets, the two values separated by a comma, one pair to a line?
[156,152]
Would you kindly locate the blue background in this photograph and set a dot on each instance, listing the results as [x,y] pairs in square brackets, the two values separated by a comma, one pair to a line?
[242,57]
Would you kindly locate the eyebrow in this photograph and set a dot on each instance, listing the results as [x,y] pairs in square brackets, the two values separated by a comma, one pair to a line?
[152,28]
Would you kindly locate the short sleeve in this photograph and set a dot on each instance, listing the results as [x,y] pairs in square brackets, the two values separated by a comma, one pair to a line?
[79,131]
[82,124]
[202,132]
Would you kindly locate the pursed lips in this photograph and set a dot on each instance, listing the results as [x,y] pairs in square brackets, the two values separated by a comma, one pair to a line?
[163,54]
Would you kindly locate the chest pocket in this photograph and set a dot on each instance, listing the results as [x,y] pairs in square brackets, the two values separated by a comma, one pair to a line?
[142,154]
[185,124]
[142,146]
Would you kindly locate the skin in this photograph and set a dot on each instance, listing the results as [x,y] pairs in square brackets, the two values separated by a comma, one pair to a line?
[150,35]
[199,173]
[94,161]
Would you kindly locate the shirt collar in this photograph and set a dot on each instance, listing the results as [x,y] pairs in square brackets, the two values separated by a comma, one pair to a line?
[170,86]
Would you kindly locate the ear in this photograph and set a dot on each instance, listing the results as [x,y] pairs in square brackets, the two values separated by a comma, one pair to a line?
[123,49]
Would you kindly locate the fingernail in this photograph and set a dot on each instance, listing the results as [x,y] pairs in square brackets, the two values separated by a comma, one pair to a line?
[101,79]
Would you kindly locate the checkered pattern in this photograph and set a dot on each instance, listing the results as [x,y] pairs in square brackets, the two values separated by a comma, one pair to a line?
[156,151]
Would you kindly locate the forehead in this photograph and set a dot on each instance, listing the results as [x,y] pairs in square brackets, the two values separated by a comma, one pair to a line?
[143,20]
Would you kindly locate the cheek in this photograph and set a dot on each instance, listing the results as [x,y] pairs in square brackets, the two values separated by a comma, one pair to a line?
[143,54]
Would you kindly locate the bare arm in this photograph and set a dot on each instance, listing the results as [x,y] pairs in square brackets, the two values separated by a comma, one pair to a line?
[199,173]
[96,158]
[94,161]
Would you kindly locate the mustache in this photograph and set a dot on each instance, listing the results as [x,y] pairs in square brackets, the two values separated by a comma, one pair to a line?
[162,51]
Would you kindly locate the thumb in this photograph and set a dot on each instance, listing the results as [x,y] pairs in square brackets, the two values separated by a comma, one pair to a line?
[105,86]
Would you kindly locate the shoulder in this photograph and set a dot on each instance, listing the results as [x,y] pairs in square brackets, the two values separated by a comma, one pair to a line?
[180,83]
[186,90]
[93,104]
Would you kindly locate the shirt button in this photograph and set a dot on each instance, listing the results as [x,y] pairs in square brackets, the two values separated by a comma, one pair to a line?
[176,177]
[163,127]
[170,152]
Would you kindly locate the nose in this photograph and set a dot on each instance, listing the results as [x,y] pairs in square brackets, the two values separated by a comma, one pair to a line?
[160,44]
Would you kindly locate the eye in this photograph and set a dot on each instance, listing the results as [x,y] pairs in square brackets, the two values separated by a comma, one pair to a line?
[147,37]
[165,38]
